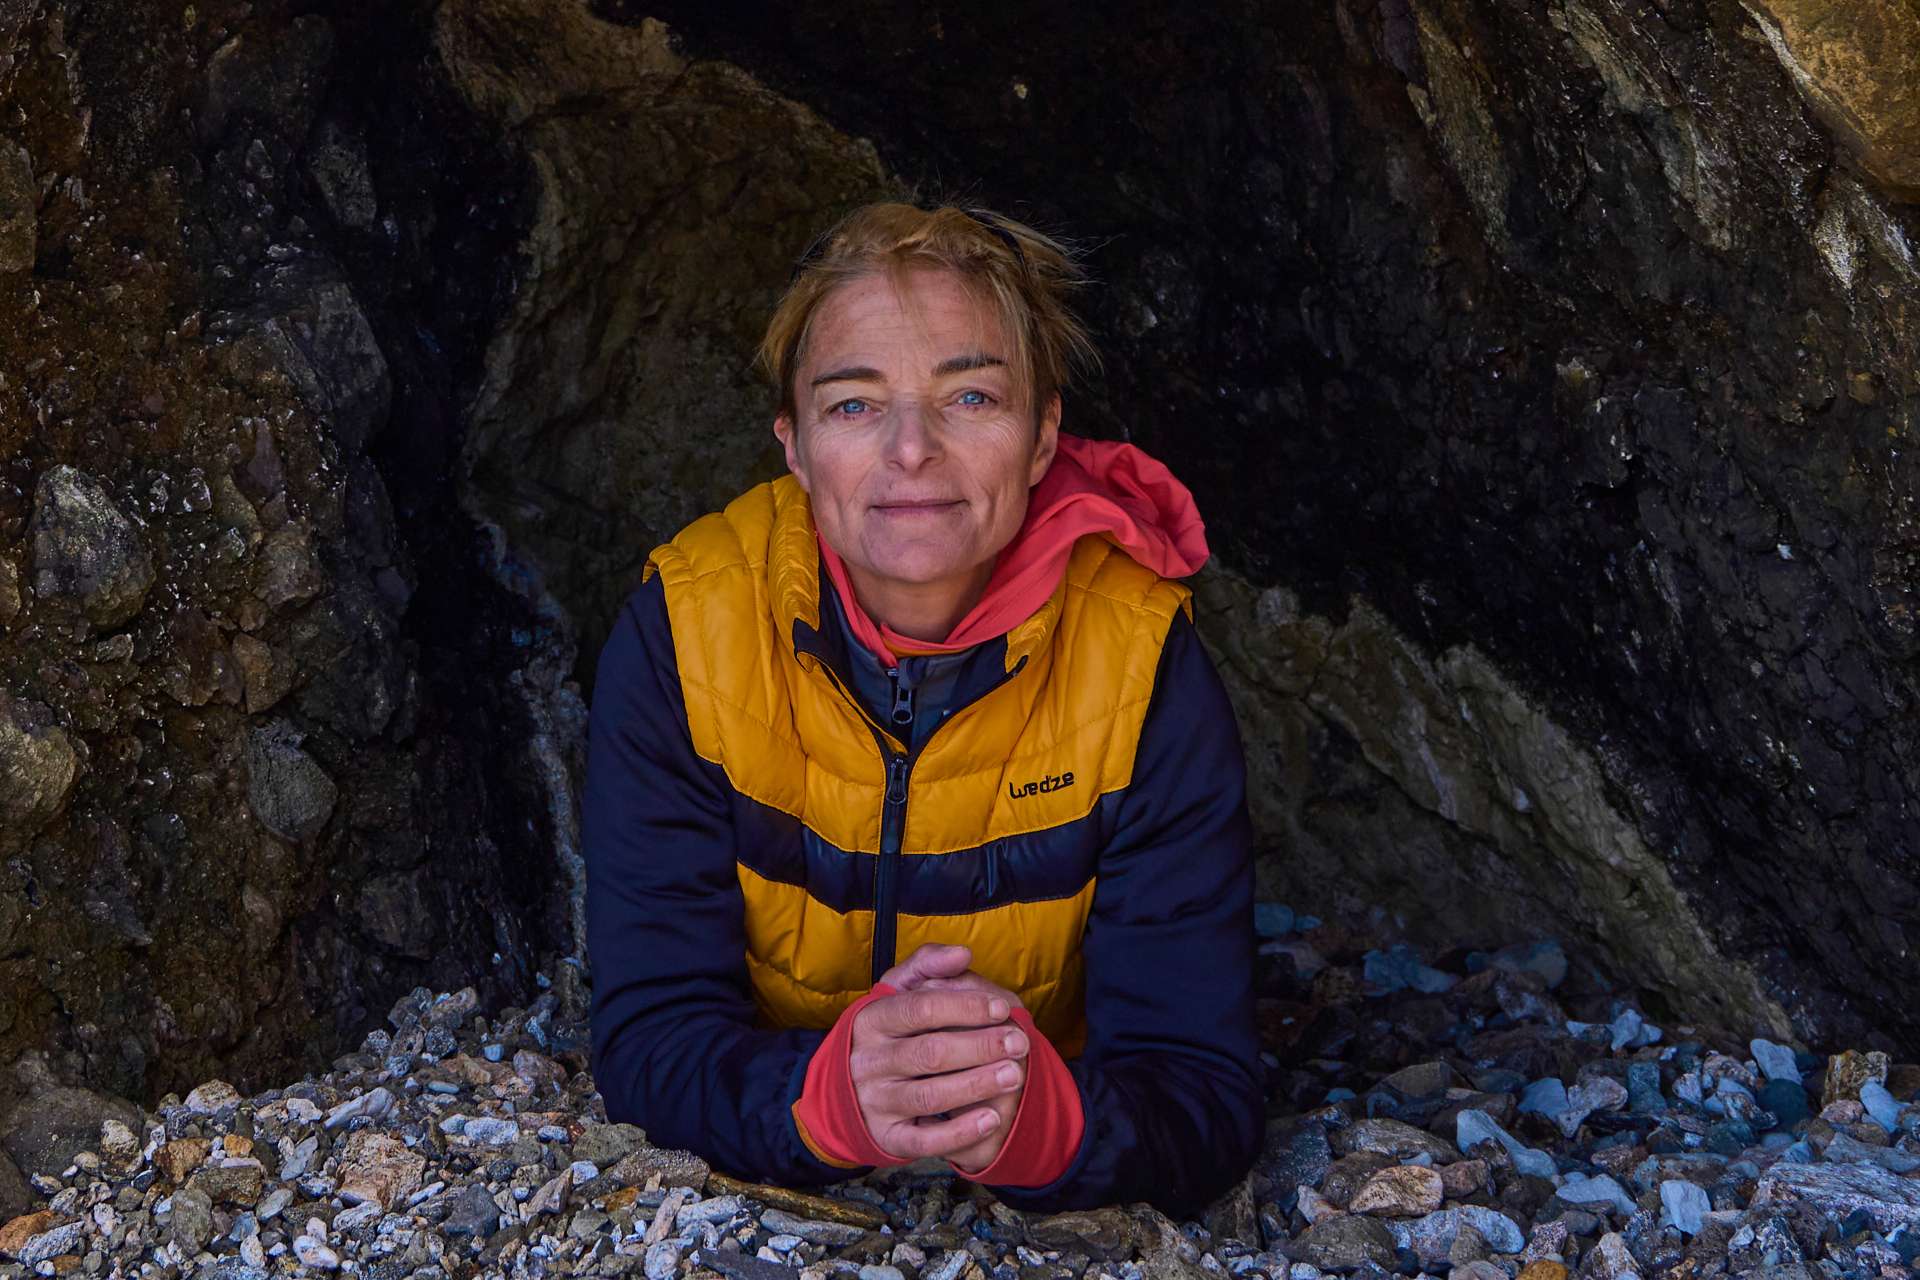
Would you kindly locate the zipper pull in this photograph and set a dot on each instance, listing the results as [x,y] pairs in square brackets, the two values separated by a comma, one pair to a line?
[902,699]
[896,779]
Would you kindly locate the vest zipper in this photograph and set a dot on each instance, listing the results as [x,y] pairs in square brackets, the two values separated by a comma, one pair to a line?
[886,873]
[893,808]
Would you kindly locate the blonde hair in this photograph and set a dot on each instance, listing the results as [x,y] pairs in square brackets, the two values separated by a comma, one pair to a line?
[1015,272]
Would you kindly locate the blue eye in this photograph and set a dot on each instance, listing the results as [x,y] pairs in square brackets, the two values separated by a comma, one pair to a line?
[844,403]
[984,399]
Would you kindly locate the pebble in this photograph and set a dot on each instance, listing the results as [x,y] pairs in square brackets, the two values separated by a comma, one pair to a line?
[1684,1205]
[312,1253]
[1475,1126]
[381,1177]
[490,1131]
[827,1233]
[1585,1189]
[662,1260]
[1404,1191]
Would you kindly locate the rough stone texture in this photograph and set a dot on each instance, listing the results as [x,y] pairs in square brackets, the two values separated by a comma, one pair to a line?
[1854,61]
[1553,347]
[1404,1191]
[85,548]
[290,793]
[19,201]
[238,247]
[672,199]
[1829,1192]
[1504,811]
[44,1130]
[38,765]
[379,1168]
[15,1195]
[1343,1243]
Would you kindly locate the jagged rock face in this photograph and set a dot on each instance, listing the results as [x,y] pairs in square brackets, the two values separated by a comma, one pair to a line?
[1567,336]
[1854,61]
[618,403]
[268,748]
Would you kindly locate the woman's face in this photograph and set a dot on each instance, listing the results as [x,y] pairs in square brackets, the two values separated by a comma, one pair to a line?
[912,450]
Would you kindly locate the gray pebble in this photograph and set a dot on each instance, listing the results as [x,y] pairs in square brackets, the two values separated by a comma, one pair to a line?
[490,1131]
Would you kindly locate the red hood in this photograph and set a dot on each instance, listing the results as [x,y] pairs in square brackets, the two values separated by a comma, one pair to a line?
[1092,486]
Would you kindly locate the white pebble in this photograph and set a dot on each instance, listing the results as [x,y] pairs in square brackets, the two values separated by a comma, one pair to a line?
[314,1254]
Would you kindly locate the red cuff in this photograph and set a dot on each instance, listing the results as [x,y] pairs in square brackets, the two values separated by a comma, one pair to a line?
[1047,1124]
[827,1114]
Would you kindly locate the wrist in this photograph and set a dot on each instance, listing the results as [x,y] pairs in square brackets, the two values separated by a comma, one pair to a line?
[1040,1141]
[827,1117]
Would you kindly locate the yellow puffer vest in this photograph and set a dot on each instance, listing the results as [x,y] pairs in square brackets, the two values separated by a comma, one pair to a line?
[777,720]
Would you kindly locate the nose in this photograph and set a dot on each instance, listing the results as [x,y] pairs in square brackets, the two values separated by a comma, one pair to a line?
[914,436]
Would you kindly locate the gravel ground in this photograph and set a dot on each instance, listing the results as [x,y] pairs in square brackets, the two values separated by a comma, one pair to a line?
[1445,1120]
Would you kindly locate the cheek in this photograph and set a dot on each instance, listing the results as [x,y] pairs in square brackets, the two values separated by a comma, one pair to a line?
[836,474]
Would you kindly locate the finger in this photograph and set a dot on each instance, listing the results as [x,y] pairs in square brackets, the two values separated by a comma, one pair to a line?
[935,1053]
[912,1140]
[912,1012]
[929,960]
[930,1095]
[971,981]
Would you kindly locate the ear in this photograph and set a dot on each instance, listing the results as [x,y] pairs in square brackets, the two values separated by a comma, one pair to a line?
[790,441]
[1047,442]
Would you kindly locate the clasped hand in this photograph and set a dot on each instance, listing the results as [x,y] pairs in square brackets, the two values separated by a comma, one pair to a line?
[939,1067]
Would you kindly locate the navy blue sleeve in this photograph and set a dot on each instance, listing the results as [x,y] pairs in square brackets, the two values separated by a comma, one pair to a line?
[675,1048]
[1170,1080]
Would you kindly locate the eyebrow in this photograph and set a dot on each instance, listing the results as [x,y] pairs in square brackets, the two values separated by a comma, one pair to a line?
[952,364]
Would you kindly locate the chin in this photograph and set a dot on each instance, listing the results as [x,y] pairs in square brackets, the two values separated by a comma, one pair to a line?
[918,569]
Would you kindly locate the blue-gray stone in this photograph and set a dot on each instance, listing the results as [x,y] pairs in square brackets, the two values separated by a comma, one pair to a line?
[1847,1149]
[1272,919]
[1880,1105]
[1728,1137]
[1399,967]
[491,1131]
[1786,1100]
[1474,1125]
[1581,1188]
[1776,1061]
[1684,1206]
[1547,1096]
[1498,1080]
[1643,1089]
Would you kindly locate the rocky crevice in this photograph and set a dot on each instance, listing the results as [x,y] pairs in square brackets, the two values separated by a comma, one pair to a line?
[259,665]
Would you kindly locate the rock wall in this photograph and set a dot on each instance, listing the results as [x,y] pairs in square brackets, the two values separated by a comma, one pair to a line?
[277,718]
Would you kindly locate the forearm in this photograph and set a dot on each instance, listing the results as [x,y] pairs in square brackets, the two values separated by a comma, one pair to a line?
[675,1048]
[706,1084]
[1170,1080]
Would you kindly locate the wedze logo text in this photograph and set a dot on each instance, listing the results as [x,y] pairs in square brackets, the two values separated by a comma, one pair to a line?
[1046,784]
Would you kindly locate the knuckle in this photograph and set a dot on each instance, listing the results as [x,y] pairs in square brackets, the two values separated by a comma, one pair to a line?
[925,1055]
[862,1065]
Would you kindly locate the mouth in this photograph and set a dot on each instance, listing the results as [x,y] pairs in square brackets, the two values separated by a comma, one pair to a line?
[928,504]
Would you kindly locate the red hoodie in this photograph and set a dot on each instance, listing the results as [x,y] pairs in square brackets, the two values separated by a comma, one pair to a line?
[1092,486]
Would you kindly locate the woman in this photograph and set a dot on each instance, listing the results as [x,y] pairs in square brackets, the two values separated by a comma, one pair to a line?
[914,818]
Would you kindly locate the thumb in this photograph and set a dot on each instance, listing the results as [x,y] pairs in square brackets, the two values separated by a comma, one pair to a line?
[929,960]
